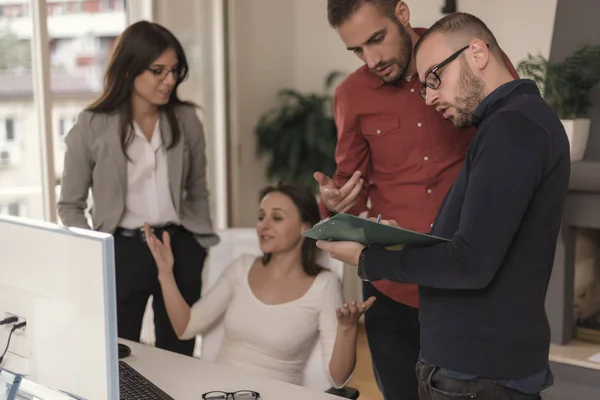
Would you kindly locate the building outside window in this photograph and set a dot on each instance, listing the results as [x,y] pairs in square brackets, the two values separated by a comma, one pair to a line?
[81,34]
[14,209]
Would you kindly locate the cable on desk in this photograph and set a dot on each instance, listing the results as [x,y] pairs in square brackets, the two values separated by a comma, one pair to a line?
[12,330]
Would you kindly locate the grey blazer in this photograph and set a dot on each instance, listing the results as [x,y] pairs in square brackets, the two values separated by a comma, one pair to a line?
[94,159]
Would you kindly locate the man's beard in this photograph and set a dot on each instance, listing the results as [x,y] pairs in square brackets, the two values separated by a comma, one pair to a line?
[404,59]
[470,96]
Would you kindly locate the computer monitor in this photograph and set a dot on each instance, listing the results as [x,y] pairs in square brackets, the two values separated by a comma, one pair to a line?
[61,280]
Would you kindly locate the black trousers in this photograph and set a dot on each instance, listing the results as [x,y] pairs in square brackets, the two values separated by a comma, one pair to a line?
[137,280]
[393,335]
[433,385]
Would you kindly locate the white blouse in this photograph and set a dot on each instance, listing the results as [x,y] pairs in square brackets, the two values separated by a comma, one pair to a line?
[273,340]
[148,197]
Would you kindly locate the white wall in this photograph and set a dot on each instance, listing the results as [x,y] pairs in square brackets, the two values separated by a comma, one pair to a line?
[520,26]
[191,22]
[262,61]
[318,49]
[276,44]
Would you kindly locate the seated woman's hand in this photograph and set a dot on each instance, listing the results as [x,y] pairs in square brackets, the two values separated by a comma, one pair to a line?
[349,314]
[161,251]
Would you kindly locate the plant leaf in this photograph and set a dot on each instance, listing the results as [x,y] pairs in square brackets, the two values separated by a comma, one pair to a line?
[330,78]
[566,85]
[299,135]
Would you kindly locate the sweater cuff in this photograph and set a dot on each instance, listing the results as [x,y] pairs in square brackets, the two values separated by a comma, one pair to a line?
[377,264]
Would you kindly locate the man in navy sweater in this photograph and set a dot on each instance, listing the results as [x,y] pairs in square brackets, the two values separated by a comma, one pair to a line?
[484,330]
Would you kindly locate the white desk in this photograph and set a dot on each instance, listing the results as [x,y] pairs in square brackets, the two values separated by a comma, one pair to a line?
[185,377]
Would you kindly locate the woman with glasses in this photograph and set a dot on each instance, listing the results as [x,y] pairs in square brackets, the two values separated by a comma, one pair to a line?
[274,307]
[141,151]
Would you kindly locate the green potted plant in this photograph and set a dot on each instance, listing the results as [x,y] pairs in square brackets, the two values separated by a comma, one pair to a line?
[299,135]
[566,86]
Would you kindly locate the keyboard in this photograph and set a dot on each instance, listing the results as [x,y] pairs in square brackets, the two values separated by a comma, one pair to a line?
[133,385]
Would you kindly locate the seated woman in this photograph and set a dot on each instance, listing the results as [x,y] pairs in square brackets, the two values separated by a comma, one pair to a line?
[275,307]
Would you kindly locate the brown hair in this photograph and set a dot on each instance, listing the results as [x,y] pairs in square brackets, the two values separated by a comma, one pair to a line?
[466,27]
[338,11]
[304,200]
[136,49]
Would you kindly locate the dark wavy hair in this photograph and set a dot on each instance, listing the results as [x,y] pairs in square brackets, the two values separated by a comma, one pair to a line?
[304,200]
[136,49]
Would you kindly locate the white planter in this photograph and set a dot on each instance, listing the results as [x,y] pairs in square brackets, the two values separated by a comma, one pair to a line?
[578,131]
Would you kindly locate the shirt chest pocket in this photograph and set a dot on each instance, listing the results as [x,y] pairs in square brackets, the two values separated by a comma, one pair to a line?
[387,132]
[391,141]
[375,127]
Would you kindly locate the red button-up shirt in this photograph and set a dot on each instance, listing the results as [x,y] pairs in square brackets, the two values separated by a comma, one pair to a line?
[408,154]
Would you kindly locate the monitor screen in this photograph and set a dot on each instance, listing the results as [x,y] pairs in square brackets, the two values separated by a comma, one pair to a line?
[61,282]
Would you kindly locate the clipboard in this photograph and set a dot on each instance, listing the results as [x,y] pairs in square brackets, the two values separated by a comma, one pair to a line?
[347,227]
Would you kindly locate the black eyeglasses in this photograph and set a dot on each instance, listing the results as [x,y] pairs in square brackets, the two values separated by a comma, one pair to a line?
[239,395]
[161,73]
[432,79]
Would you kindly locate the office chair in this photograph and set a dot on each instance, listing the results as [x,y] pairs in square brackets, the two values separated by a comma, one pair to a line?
[234,243]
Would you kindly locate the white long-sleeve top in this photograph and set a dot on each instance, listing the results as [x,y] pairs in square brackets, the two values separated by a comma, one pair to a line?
[273,340]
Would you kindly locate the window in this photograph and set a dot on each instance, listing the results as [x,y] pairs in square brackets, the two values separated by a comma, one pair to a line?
[64,125]
[14,209]
[79,58]
[80,34]
[20,155]
[62,130]
[9,125]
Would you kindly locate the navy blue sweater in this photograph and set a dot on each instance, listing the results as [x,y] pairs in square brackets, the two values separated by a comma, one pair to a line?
[482,294]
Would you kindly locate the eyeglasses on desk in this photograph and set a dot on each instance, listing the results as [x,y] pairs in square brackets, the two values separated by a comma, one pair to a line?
[239,395]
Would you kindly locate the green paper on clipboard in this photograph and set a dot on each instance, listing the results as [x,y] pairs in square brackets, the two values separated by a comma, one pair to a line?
[346,227]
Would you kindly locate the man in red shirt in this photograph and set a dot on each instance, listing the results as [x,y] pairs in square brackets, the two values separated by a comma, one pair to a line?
[396,152]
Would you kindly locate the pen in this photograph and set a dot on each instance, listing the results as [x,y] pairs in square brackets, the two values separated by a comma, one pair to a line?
[379,218]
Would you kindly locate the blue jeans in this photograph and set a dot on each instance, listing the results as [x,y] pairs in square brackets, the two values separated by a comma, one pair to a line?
[434,385]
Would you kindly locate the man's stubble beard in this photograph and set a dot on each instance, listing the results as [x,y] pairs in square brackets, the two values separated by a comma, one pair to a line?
[408,49]
[471,94]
